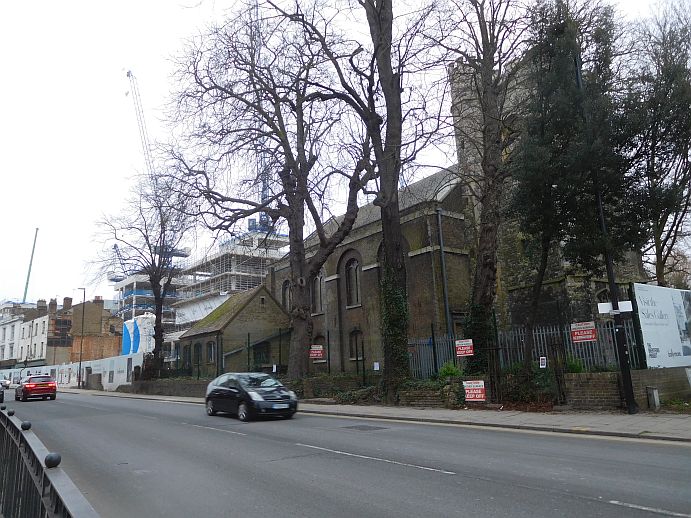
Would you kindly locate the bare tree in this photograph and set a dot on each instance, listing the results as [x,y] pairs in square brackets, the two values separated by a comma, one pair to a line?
[148,232]
[251,141]
[379,81]
[488,37]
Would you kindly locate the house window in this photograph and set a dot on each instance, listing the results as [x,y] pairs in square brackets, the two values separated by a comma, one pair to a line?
[197,353]
[43,327]
[317,294]
[12,333]
[286,295]
[356,344]
[261,353]
[210,352]
[352,272]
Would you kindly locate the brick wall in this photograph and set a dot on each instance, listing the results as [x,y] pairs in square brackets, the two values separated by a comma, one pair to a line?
[96,347]
[594,390]
[672,383]
[602,389]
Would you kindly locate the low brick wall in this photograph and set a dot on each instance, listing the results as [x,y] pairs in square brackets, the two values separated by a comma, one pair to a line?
[167,387]
[597,390]
[671,383]
[327,387]
[603,389]
[421,398]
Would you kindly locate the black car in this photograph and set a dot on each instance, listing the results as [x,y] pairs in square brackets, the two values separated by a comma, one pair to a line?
[250,394]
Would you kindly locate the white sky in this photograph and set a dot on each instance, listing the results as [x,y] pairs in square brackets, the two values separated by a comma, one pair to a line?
[68,133]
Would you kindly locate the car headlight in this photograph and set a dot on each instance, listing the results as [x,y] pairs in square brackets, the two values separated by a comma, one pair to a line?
[255,396]
[292,395]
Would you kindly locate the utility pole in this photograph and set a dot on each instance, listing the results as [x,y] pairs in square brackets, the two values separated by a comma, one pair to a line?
[81,343]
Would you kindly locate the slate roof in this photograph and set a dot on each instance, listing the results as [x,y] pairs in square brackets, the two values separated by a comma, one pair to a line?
[433,188]
[220,317]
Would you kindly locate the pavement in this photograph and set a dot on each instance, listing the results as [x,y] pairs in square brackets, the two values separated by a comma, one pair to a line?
[644,425]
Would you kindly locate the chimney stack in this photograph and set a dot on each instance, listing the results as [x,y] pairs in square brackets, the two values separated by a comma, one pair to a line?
[41,307]
[66,303]
[53,306]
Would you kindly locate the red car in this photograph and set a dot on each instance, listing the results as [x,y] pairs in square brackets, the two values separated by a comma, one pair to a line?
[36,386]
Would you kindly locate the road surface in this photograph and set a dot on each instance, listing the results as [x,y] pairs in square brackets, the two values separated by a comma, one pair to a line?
[135,457]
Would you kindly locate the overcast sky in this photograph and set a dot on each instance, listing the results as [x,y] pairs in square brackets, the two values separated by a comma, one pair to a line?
[69,141]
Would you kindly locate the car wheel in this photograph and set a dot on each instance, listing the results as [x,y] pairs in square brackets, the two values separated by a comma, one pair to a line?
[16,397]
[24,398]
[52,398]
[289,416]
[210,410]
[244,412]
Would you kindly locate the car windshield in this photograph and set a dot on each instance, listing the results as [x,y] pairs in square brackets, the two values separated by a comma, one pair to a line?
[39,379]
[257,381]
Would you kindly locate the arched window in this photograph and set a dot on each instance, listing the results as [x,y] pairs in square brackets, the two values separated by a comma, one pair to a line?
[317,293]
[352,275]
[355,344]
[286,295]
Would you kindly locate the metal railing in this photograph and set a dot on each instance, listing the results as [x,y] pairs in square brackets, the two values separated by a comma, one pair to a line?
[427,355]
[31,483]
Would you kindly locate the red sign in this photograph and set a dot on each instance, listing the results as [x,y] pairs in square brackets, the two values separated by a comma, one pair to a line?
[583,332]
[474,390]
[464,347]
[316,352]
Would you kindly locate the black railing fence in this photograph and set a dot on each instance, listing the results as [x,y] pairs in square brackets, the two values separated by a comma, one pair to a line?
[29,487]
[427,355]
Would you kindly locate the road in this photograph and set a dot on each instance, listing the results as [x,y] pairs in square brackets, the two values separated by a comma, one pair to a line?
[135,457]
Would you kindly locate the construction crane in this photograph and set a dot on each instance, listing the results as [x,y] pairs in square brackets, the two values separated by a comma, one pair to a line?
[262,166]
[141,122]
[116,276]
[31,262]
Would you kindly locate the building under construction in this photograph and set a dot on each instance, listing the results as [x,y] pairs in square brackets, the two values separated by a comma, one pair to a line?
[238,264]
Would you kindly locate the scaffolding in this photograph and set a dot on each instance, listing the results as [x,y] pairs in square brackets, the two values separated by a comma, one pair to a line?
[236,265]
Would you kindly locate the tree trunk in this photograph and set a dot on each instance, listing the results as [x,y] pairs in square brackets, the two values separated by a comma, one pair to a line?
[529,344]
[393,296]
[300,310]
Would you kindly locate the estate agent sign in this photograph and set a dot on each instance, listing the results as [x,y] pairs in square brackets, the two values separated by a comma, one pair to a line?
[665,317]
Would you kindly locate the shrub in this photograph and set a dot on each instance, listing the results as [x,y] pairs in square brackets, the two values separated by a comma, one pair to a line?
[534,386]
[574,365]
[449,370]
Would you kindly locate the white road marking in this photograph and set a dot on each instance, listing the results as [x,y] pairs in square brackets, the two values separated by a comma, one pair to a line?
[366,457]
[655,510]
[215,429]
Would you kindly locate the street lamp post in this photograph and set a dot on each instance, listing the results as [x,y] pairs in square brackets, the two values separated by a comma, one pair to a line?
[81,341]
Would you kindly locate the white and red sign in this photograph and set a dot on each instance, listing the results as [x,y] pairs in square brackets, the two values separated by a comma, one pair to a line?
[464,347]
[474,390]
[583,332]
[316,352]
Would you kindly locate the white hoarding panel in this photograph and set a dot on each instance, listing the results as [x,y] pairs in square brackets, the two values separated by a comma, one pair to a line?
[665,316]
